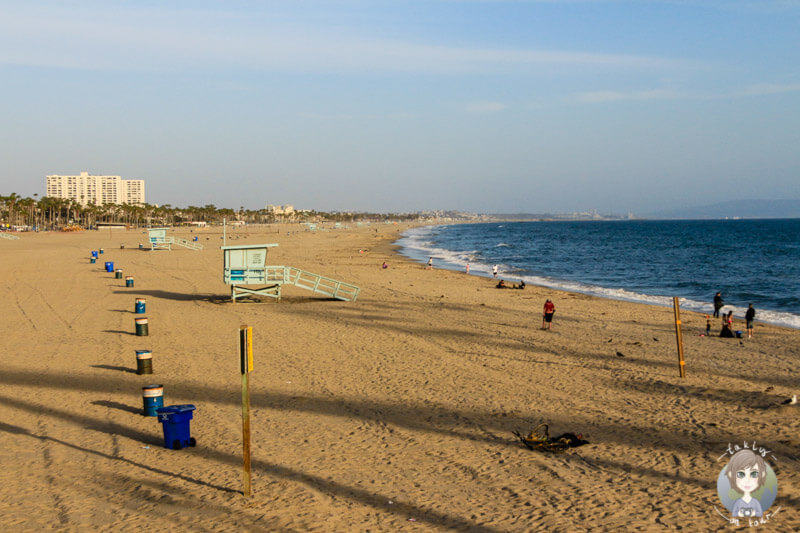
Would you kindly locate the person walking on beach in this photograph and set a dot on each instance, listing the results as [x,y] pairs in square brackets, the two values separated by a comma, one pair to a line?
[547,314]
[494,271]
[467,268]
[430,264]
[718,304]
[749,316]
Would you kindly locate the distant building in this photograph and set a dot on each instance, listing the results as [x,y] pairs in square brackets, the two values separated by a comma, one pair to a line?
[98,190]
[280,209]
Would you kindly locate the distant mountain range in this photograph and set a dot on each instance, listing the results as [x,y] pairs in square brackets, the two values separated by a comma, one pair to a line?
[734,209]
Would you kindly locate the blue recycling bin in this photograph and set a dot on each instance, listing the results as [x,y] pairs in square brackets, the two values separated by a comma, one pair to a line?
[175,420]
[109,266]
[94,254]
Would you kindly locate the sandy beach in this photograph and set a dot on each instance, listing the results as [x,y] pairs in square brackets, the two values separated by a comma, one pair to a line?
[391,413]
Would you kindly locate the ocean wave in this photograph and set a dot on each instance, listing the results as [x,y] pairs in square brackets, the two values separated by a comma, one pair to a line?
[416,244]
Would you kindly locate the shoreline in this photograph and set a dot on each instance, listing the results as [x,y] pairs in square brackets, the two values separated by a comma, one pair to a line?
[784,318]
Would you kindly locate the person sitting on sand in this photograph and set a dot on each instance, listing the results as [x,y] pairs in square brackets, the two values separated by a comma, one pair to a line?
[727,326]
[501,284]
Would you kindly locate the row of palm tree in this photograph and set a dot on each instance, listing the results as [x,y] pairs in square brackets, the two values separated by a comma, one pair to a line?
[48,213]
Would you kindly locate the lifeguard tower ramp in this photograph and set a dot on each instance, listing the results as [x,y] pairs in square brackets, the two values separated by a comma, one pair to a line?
[160,241]
[247,265]
[8,236]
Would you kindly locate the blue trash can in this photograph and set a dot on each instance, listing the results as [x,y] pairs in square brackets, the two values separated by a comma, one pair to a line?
[94,254]
[175,420]
[109,266]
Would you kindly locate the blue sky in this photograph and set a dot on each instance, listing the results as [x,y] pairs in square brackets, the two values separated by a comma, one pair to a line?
[405,105]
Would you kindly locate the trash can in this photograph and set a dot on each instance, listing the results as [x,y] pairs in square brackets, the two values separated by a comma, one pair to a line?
[94,254]
[118,273]
[152,399]
[129,281]
[92,260]
[142,327]
[139,306]
[175,420]
[144,363]
[102,251]
[109,266]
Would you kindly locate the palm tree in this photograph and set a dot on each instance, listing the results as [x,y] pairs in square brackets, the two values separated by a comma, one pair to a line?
[11,201]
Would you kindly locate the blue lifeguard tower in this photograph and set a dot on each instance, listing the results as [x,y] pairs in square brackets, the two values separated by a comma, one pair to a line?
[247,265]
[160,241]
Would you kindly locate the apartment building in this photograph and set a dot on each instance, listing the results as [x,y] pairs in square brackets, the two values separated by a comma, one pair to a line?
[98,190]
[280,209]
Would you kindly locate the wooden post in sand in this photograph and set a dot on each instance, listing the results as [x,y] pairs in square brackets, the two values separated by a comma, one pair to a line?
[246,362]
[678,336]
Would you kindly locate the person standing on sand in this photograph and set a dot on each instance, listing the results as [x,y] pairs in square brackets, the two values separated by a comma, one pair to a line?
[494,271]
[430,264]
[749,316]
[547,314]
[718,304]
[467,268]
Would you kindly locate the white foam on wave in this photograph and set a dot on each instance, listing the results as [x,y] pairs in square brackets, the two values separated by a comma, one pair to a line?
[416,245]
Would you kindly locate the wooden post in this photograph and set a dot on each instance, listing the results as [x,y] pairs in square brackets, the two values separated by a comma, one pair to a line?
[678,336]
[246,363]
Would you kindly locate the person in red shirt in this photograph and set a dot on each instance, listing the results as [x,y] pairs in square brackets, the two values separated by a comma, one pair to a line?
[547,314]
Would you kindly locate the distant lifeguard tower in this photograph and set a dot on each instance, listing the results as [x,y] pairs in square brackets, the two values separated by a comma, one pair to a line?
[247,265]
[160,241]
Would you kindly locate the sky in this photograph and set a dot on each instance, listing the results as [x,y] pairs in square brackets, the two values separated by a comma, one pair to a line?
[489,106]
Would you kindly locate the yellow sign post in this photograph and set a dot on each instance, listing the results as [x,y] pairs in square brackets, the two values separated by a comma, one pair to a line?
[246,364]
[679,337]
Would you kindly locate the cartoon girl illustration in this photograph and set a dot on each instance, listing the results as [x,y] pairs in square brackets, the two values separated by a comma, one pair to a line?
[747,472]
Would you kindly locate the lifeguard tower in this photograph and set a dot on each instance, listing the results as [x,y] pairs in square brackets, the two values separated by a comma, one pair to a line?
[247,265]
[160,241]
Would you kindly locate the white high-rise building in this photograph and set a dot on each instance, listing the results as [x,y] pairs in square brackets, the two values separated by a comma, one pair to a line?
[98,190]
[280,209]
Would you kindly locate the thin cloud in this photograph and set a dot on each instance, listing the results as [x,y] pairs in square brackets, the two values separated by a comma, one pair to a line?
[619,96]
[486,107]
[170,40]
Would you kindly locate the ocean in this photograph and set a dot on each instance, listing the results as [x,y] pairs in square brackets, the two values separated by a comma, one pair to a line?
[748,261]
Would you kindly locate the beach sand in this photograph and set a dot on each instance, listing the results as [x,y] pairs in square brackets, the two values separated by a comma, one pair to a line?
[391,413]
